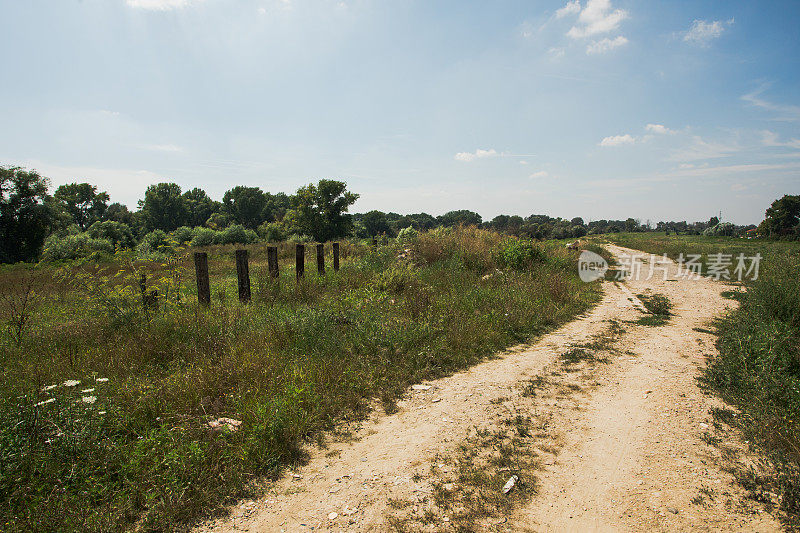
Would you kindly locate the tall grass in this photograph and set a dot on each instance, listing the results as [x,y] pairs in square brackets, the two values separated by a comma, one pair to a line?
[297,359]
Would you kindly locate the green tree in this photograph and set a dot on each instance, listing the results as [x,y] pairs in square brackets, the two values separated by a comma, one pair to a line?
[245,205]
[321,210]
[163,207]
[199,207]
[25,216]
[782,217]
[119,213]
[375,223]
[82,202]
[461,217]
[276,207]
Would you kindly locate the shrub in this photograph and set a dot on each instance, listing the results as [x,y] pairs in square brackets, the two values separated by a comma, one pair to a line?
[519,254]
[271,232]
[183,234]
[118,233]
[407,234]
[74,247]
[236,234]
[294,238]
[203,237]
[155,242]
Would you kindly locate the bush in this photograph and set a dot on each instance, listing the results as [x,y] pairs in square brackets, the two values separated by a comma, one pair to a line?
[271,232]
[407,234]
[74,247]
[118,233]
[203,237]
[294,238]
[183,234]
[155,242]
[236,234]
[519,254]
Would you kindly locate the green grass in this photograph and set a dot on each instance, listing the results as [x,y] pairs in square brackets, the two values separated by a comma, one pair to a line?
[295,361]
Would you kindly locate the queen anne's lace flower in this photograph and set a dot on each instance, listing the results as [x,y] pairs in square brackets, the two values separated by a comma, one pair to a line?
[72,382]
[45,402]
[89,399]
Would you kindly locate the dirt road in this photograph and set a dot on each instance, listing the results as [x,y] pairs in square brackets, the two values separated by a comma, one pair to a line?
[621,439]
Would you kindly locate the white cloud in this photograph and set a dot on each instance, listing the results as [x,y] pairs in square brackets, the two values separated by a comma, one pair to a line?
[770,138]
[604,45]
[158,5]
[702,32]
[573,7]
[162,147]
[523,162]
[617,140]
[478,154]
[658,128]
[539,174]
[701,149]
[556,53]
[597,17]
[786,113]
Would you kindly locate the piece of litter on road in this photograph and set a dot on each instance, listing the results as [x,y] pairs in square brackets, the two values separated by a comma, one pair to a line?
[333,516]
[703,426]
[420,387]
[510,484]
[437,400]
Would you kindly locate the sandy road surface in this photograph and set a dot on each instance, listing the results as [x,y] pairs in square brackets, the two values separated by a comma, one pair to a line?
[631,456]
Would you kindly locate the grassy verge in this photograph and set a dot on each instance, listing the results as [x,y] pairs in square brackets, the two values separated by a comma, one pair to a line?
[105,405]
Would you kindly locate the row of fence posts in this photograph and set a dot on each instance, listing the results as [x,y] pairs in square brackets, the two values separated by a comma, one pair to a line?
[243,268]
[150,299]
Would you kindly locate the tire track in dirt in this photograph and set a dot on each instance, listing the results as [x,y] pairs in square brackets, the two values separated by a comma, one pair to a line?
[632,455]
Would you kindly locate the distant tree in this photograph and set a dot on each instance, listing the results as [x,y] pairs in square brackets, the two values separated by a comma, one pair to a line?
[25,216]
[782,217]
[245,205]
[577,221]
[199,207]
[276,206]
[218,221]
[163,207]
[375,223]
[82,202]
[119,213]
[713,221]
[500,222]
[461,217]
[321,210]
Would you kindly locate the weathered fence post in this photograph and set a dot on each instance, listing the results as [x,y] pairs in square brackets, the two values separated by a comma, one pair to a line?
[300,261]
[336,256]
[321,259]
[201,272]
[272,261]
[243,274]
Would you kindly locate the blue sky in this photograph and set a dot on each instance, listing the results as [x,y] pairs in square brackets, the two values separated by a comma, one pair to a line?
[593,108]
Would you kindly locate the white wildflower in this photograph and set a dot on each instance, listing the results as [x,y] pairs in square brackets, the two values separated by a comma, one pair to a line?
[101,380]
[49,387]
[72,382]
[101,412]
[86,391]
[89,399]
[45,402]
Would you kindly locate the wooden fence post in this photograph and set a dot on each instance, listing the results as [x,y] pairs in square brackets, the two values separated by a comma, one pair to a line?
[300,261]
[336,256]
[201,272]
[321,259]
[272,261]
[243,274]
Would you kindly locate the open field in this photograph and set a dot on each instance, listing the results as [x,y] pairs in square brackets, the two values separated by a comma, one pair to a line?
[104,407]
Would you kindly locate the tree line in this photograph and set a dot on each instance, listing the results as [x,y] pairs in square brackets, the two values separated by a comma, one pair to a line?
[78,217]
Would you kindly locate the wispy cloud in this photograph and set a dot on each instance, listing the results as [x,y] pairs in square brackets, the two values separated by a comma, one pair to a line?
[539,174]
[162,148]
[617,140]
[604,45]
[573,7]
[658,128]
[702,32]
[158,5]
[786,113]
[477,154]
[770,138]
[596,18]
[702,149]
